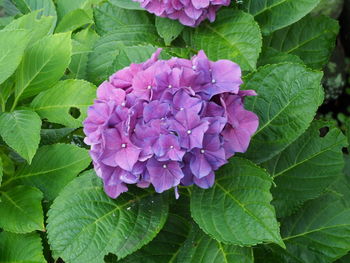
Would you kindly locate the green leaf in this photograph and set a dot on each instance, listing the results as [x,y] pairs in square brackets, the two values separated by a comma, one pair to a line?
[288,97]
[10,54]
[43,65]
[276,14]
[4,21]
[51,136]
[231,211]
[168,29]
[83,43]
[312,39]
[306,167]
[74,20]
[46,7]
[200,248]
[108,47]
[52,168]
[21,131]
[166,246]
[84,224]
[345,259]
[132,54]
[1,171]
[319,232]
[234,35]
[57,103]
[66,6]
[110,17]
[126,4]
[38,27]
[6,89]
[16,248]
[272,56]
[21,210]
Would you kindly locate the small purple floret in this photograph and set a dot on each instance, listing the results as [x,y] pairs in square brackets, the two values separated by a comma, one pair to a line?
[168,123]
[188,12]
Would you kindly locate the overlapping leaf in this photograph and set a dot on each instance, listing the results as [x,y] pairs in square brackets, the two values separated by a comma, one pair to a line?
[234,35]
[276,14]
[21,248]
[200,248]
[38,27]
[21,131]
[168,29]
[237,209]
[108,47]
[52,168]
[82,43]
[319,232]
[43,64]
[288,97]
[306,167]
[10,54]
[84,224]
[166,246]
[109,17]
[312,39]
[57,103]
[21,210]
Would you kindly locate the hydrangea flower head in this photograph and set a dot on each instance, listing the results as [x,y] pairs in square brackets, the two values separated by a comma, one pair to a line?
[167,123]
[188,12]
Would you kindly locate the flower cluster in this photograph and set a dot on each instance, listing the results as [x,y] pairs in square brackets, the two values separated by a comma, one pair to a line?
[168,122]
[188,12]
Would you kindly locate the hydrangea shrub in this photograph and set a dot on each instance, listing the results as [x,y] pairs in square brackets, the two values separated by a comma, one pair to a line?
[223,112]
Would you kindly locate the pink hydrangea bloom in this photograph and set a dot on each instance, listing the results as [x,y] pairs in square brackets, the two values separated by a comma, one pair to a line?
[168,123]
[188,12]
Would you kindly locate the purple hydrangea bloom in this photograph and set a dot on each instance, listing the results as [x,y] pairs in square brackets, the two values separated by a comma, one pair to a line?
[168,123]
[188,12]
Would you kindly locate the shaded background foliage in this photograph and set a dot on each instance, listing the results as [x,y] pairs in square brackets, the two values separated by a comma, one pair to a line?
[286,200]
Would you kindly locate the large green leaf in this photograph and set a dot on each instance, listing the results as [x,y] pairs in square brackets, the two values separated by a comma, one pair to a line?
[46,7]
[237,209]
[52,168]
[319,232]
[288,97]
[20,210]
[306,167]
[168,29]
[200,248]
[312,39]
[166,246]
[100,65]
[57,103]
[110,17]
[38,27]
[21,248]
[66,6]
[126,4]
[83,43]
[10,54]
[1,170]
[270,55]
[276,14]
[74,20]
[21,131]
[43,64]
[84,224]
[234,35]
[132,54]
